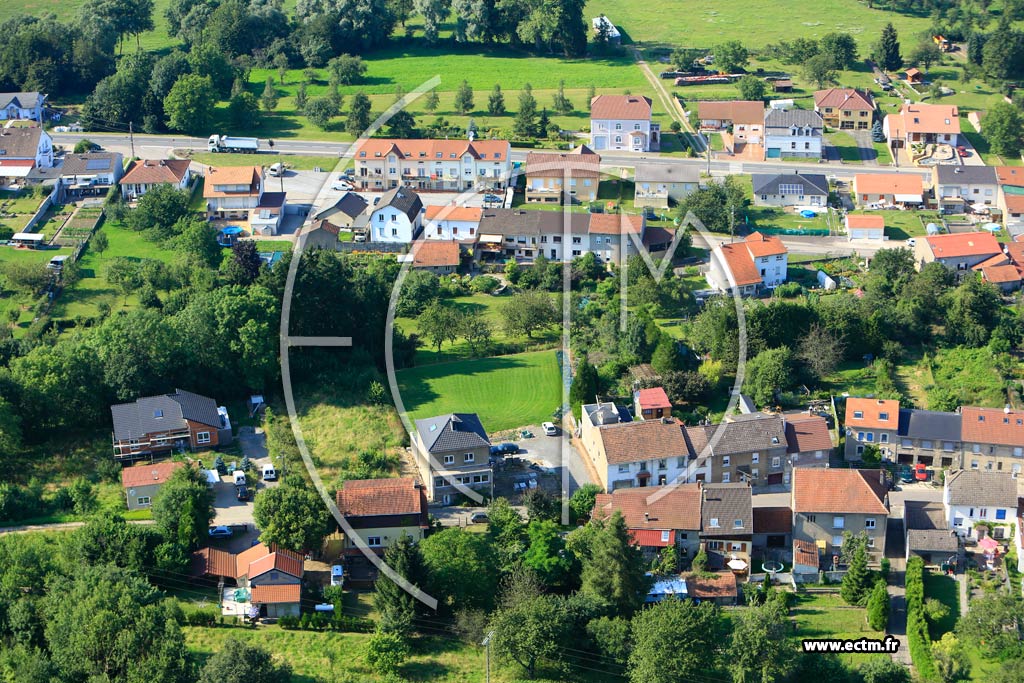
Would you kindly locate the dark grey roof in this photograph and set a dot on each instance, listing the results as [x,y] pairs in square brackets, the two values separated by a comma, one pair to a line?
[931,541]
[666,173]
[24,100]
[453,432]
[162,413]
[91,162]
[767,183]
[924,515]
[350,204]
[787,118]
[971,175]
[977,487]
[929,424]
[524,222]
[402,199]
[726,503]
[745,433]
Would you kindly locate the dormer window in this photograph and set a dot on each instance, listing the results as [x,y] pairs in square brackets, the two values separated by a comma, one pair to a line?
[858,415]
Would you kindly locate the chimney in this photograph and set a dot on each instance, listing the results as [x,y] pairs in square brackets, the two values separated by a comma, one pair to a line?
[1006,409]
[647,517]
[881,476]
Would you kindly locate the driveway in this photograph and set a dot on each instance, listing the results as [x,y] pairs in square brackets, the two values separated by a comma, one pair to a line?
[227,508]
[865,147]
[556,451]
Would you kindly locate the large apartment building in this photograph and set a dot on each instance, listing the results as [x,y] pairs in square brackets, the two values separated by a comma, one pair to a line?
[432,165]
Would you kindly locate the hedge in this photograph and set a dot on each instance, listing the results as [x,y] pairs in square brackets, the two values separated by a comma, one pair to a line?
[917,626]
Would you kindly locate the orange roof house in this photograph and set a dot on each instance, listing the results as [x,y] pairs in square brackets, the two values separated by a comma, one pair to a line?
[437,255]
[843,98]
[872,413]
[719,115]
[615,223]
[839,491]
[581,162]
[921,123]
[491,150]
[889,188]
[232,181]
[735,264]
[764,245]
[960,250]
[653,514]
[992,426]
[622,107]
[453,213]
[148,475]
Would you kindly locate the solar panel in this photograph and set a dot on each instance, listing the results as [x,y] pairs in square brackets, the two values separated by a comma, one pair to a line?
[97,164]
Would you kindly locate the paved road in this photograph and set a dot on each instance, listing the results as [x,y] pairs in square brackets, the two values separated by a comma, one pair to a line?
[153,145]
[897,627]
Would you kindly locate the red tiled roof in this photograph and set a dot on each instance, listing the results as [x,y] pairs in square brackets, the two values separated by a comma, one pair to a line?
[839,491]
[807,433]
[623,107]
[652,538]
[678,509]
[1014,202]
[737,261]
[615,223]
[276,594]
[992,425]
[453,213]
[496,150]
[1001,274]
[213,562]
[764,245]
[708,585]
[152,171]
[773,520]
[652,398]
[646,440]
[231,175]
[872,411]
[1010,175]
[930,118]
[147,475]
[582,162]
[1015,251]
[282,561]
[863,221]
[888,183]
[737,111]
[999,259]
[805,553]
[963,244]
[844,98]
[369,497]
[435,253]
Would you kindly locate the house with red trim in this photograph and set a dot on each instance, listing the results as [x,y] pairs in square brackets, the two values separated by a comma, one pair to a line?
[657,517]
[267,578]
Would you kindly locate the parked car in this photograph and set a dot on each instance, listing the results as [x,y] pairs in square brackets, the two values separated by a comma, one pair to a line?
[239,478]
[221,532]
[276,170]
[341,183]
[549,428]
[242,493]
[505,449]
[492,199]
[920,471]
[478,518]
[961,150]
[911,242]
[268,472]
[906,474]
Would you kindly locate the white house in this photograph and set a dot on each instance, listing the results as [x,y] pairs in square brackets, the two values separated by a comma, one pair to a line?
[90,174]
[438,165]
[21,105]
[33,144]
[756,262]
[792,133]
[237,193]
[971,496]
[145,174]
[396,218]
[658,185]
[623,122]
[865,227]
[459,223]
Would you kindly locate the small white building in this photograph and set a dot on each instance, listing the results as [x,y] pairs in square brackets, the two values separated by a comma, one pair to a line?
[458,223]
[972,496]
[396,218]
[865,227]
[623,123]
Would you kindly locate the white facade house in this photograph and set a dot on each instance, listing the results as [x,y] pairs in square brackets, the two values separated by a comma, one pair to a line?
[971,496]
[758,261]
[397,218]
[145,174]
[623,123]
[458,223]
[792,133]
[21,105]
[432,165]
[33,144]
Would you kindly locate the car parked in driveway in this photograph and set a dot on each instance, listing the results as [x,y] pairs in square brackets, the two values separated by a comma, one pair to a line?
[221,532]
[341,183]
[478,518]
[906,474]
[921,471]
[505,449]
[242,493]
[549,429]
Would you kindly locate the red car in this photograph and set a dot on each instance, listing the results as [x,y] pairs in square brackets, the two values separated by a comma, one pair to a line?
[920,472]
[961,150]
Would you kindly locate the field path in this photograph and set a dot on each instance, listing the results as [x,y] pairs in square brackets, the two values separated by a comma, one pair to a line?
[670,103]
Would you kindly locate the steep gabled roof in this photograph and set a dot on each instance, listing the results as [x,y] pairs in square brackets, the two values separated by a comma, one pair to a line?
[20,142]
[930,118]
[737,261]
[401,199]
[929,424]
[259,559]
[163,413]
[667,507]
[730,505]
[745,112]
[615,223]
[452,432]
[844,98]
[376,497]
[807,433]
[888,183]
[787,118]
[872,413]
[148,475]
[276,594]
[91,162]
[764,245]
[645,440]
[624,107]
[963,244]
[978,488]
[991,425]
[153,171]
[22,100]
[653,398]
[436,254]
[838,491]
[490,150]
[768,183]
[581,162]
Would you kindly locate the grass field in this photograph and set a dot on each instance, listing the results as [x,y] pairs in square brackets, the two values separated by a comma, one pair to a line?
[293,161]
[491,308]
[969,374]
[846,146]
[506,391]
[825,615]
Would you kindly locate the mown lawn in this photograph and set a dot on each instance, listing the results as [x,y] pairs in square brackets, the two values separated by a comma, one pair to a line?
[506,391]
[491,309]
[292,161]
[846,146]
[825,615]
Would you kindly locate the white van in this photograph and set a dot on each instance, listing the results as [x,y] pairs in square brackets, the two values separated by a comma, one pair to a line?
[276,169]
[268,472]
[239,477]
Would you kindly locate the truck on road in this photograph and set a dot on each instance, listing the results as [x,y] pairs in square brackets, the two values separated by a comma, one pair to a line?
[225,143]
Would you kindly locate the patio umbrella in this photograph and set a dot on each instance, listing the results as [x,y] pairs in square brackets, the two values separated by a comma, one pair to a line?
[736,565]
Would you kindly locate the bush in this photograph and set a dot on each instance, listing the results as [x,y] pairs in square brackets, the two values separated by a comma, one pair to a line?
[884,568]
[878,607]
[288,622]
[484,284]
[201,618]
[788,290]
[918,640]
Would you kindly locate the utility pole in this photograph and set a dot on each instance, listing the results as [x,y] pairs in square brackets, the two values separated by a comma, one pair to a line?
[131,138]
[487,644]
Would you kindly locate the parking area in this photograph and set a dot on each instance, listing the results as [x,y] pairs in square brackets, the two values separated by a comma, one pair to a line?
[228,510]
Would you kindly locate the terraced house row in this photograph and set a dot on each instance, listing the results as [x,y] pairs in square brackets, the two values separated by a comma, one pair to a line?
[970,438]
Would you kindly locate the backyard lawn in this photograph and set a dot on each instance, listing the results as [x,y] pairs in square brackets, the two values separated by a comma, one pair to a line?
[293,161]
[846,146]
[506,391]
[825,615]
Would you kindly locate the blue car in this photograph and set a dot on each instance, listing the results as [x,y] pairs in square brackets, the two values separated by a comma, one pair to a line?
[221,532]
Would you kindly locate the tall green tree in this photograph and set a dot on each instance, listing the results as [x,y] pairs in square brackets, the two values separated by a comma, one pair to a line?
[857,582]
[239,661]
[451,555]
[752,88]
[269,97]
[1004,129]
[183,508]
[292,516]
[397,607]
[346,69]
[320,111]
[525,123]
[439,323]
[496,101]
[878,606]
[613,567]
[585,385]
[528,312]
[731,56]
[464,98]
[760,646]
[676,640]
[768,372]
[820,69]
[841,48]
[886,51]
[358,115]
[545,553]
[189,105]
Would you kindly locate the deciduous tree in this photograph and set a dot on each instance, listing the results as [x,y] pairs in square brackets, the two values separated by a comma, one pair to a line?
[239,661]
[675,640]
[292,516]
